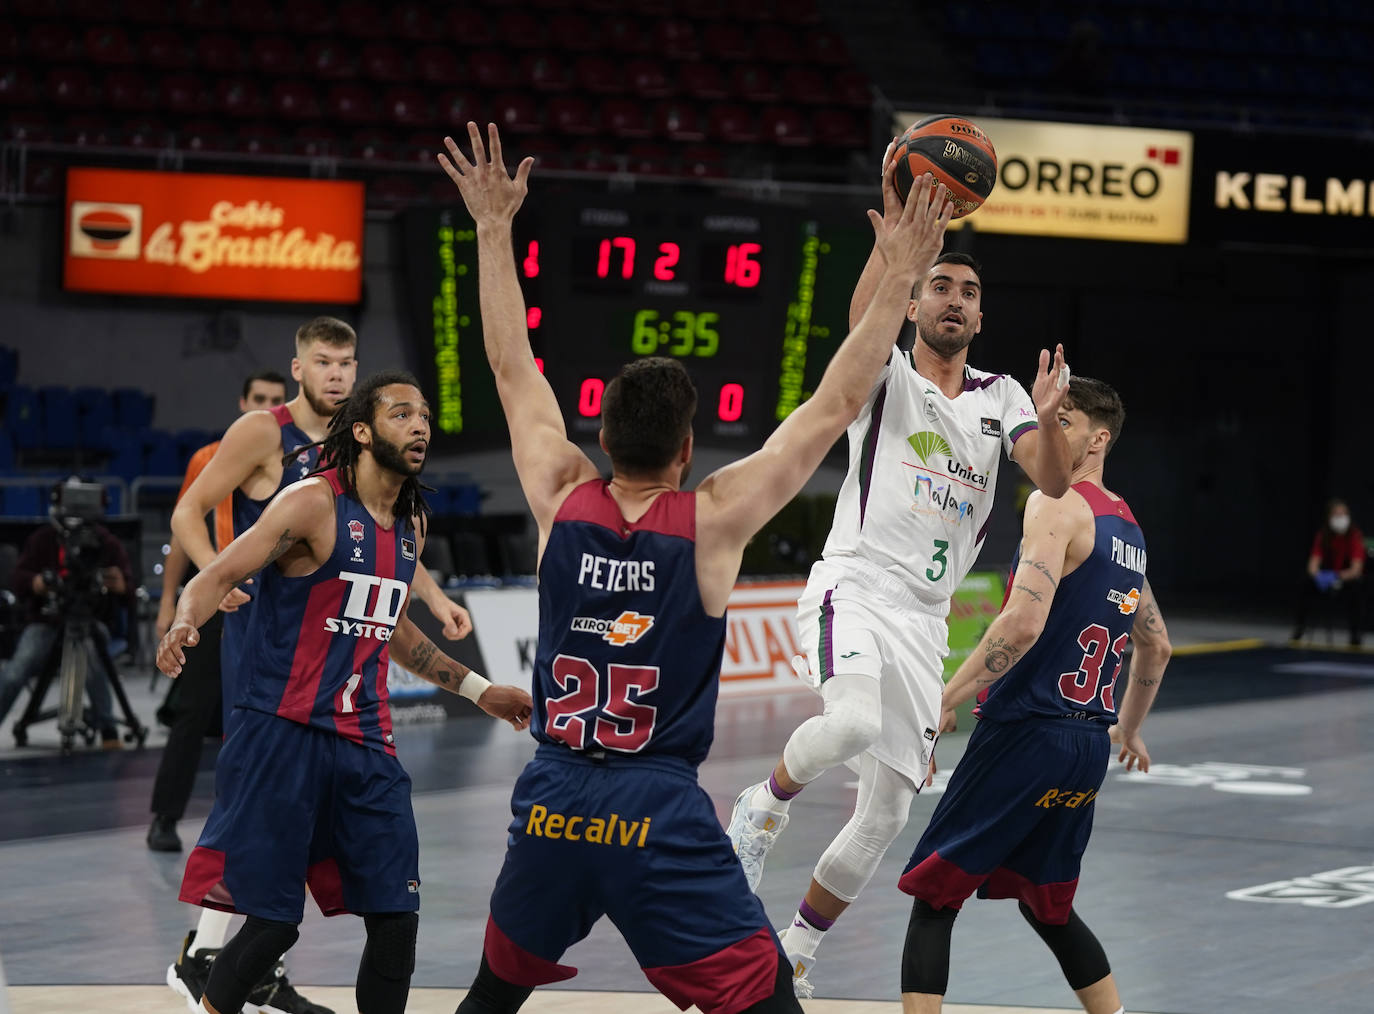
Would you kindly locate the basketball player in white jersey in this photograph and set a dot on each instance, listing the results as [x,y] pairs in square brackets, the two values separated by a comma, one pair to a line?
[910,519]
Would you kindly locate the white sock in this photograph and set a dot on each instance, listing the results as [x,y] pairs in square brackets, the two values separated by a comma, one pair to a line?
[801,936]
[763,800]
[211,930]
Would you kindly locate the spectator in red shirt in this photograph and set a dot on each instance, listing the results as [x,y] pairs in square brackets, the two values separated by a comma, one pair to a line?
[1335,568]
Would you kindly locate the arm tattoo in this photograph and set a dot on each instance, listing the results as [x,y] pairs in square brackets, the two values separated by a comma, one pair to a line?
[426,661]
[1033,594]
[1044,571]
[1152,622]
[1001,654]
[1144,681]
[284,543]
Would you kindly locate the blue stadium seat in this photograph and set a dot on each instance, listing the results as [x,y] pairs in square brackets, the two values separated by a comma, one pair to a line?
[160,455]
[22,418]
[95,414]
[126,453]
[133,408]
[24,501]
[6,454]
[59,426]
[9,366]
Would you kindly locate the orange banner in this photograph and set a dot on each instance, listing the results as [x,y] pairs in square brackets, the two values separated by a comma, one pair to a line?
[228,237]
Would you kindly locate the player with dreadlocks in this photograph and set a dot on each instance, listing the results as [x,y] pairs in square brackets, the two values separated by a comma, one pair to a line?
[337,553]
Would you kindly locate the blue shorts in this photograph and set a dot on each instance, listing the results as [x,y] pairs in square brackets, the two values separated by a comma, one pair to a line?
[1015,819]
[233,636]
[638,840]
[296,804]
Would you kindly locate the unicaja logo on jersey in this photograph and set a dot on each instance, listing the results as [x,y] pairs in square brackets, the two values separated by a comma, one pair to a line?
[371,608]
[627,628]
[1125,601]
[927,443]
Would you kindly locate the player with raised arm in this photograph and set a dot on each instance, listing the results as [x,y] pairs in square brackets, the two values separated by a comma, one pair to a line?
[634,576]
[909,523]
[262,453]
[1015,818]
[310,733]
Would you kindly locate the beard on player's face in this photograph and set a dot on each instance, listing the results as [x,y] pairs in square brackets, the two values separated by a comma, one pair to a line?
[943,340]
[392,457]
[323,404]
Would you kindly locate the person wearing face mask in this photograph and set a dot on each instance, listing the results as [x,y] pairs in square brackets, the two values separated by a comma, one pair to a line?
[1335,567]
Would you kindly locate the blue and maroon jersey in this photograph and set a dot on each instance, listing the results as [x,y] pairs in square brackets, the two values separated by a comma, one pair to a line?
[628,660]
[1070,672]
[316,651]
[294,441]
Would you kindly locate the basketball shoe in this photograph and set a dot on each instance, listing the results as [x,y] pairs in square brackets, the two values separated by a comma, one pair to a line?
[190,972]
[752,832]
[276,995]
[802,964]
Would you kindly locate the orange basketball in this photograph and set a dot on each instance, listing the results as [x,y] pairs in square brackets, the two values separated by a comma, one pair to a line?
[953,150]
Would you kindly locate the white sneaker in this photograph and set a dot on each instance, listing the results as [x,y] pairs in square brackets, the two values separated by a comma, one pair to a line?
[802,964]
[752,833]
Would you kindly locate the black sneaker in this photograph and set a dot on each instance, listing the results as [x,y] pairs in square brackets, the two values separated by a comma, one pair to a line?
[276,995]
[190,972]
[162,835]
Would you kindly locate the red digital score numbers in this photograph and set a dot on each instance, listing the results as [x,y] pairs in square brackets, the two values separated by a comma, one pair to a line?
[729,403]
[615,258]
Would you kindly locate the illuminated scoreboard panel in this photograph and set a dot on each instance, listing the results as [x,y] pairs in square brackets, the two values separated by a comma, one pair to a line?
[752,299]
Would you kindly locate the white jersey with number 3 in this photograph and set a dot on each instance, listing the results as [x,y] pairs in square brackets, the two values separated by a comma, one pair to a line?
[922,473]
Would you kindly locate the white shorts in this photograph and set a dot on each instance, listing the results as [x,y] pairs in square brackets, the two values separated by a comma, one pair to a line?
[856,621]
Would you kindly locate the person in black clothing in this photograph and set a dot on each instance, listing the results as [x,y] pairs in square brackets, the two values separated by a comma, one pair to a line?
[42,565]
[1335,568]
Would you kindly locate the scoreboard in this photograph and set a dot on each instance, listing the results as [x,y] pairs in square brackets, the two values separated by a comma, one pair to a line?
[752,298]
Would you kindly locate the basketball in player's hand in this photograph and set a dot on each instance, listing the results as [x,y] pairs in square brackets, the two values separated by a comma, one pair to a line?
[956,152]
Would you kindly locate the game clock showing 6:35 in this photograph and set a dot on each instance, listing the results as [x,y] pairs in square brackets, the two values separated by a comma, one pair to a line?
[752,298]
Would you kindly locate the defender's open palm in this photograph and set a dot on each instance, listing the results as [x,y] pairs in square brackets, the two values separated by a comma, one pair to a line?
[488,190]
[507,702]
[917,236]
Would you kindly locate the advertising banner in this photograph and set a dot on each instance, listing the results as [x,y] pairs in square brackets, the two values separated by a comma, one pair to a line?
[222,237]
[1084,181]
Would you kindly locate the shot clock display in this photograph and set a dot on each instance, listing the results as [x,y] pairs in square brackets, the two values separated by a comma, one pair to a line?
[751,297]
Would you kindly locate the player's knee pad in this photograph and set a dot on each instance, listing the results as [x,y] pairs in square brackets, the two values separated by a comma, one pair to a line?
[388,962]
[884,803]
[1078,951]
[925,957]
[248,956]
[850,725]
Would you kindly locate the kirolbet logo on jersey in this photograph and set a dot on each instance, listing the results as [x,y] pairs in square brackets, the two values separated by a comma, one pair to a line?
[627,628]
[371,608]
[1125,601]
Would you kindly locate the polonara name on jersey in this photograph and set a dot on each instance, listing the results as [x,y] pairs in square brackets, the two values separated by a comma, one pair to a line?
[1129,556]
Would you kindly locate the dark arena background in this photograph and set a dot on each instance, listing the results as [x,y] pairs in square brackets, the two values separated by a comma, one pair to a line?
[1185,200]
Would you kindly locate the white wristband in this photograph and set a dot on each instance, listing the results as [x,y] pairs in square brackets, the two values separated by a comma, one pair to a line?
[474,683]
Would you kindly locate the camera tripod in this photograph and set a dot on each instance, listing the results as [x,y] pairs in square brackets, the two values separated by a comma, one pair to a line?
[67,663]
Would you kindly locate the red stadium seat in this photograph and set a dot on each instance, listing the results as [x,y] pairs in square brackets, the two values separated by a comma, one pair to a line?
[330,60]
[777,44]
[571,114]
[295,100]
[756,10]
[724,40]
[415,23]
[733,123]
[702,10]
[308,18]
[704,80]
[253,16]
[649,80]
[373,145]
[358,19]
[679,121]
[648,160]
[703,161]
[784,125]
[544,72]
[184,95]
[351,103]
[491,69]
[624,35]
[201,13]
[826,48]
[145,132]
[239,97]
[315,141]
[599,76]
[70,87]
[840,129]
[626,118]
[108,44]
[851,88]
[381,61]
[87,128]
[144,12]
[574,32]
[593,157]
[755,83]
[436,65]
[274,54]
[676,39]
[165,50]
[805,85]
[469,27]
[799,12]
[17,87]
[204,135]
[29,128]
[260,139]
[455,108]
[521,29]
[52,42]
[516,112]
[219,54]
[392,191]
[406,107]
